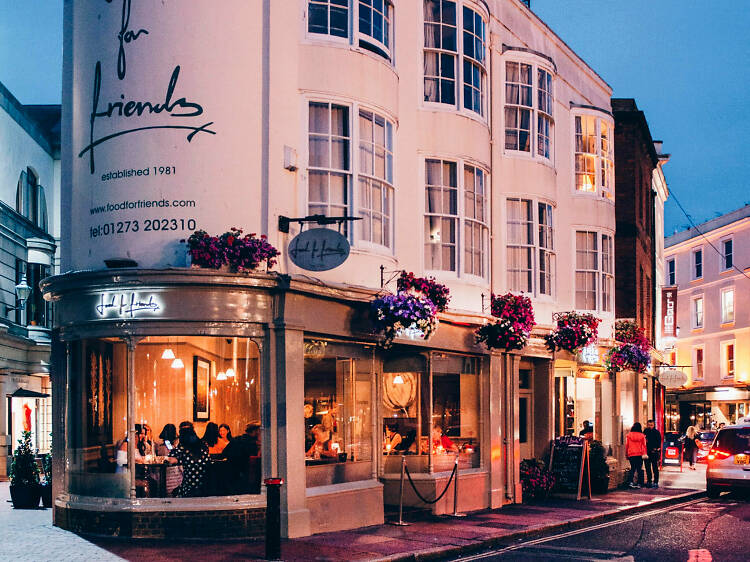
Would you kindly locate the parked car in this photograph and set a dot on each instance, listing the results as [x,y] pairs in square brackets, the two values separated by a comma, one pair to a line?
[671,449]
[705,438]
[729,460]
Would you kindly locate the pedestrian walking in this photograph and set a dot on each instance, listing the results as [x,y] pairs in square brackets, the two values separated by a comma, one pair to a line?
[636,451]
[653,445]
[690,445]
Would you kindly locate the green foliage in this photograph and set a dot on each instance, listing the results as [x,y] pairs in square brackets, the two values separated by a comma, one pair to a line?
[598,459]
[23,467]
[47,468]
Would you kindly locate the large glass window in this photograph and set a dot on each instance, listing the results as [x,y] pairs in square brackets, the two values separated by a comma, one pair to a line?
[97,438]
[530,257]
[575,401]
[205,391]
[441,216]
[608,279]
[39,311]
[328,159]
[594,271]
[544,116]
[546,249]
[328,17]
[474,63]
[475,223]
[440,51]
[431,433]
[375,18]
[524,108]
[338,413]
[594,155]
[375,178]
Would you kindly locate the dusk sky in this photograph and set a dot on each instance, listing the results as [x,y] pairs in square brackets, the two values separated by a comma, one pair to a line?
[685,63]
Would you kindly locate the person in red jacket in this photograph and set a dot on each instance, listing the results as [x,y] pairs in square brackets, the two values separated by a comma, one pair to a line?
[635,450]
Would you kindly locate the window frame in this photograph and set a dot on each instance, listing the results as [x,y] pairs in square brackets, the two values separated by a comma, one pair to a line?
[537,250]
[694,265]
[694,313]
[381,48]
[601,274]
[671,276]
[328,35]
[725,319]
[536,112]
[460,57]
[603,176]
[728,366]
[461,219]
[699,349]
[724,241]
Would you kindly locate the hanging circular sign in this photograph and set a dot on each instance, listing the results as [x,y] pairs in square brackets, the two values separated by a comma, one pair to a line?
[318,249]
[672,378]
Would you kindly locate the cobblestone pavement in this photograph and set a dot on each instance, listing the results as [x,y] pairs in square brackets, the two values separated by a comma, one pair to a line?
[28,534]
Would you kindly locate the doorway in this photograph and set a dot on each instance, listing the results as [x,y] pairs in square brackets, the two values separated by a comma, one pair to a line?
[525,414]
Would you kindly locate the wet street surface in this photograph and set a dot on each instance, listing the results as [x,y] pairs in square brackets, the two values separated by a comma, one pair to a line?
[696,531]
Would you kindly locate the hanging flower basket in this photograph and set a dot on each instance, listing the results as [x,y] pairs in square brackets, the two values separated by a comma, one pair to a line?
[632,350]
[237,252]
[573,331]
[427,287]
[515,320]
[394,315]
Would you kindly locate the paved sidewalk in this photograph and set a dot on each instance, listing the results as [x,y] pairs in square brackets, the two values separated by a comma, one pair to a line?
[29,535]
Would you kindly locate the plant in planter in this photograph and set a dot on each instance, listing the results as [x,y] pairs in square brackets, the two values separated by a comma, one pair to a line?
[426,287]
[632,350]
[573,331]
[46,487]
[515,320]
[239,253]
[393,314]
[24,475]
[599,468]
[536,480]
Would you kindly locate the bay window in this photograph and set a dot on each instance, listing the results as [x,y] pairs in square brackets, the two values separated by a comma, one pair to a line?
[531,258]
[328,17]
[447,214]
[372,23]
[375,178]
[442,51]
[527,114]
[594,156]
[594,271]
[375,20]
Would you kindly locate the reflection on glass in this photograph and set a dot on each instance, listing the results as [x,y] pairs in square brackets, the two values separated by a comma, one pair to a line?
[97,445]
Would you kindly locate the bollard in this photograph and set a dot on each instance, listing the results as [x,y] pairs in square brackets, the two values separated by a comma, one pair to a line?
[273,518]
[455,494]
[401,522]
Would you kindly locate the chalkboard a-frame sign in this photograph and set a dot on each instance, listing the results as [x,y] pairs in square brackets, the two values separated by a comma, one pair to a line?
[569,462]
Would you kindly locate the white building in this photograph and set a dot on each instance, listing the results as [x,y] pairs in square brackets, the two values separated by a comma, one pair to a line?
[29,233]
[475,146]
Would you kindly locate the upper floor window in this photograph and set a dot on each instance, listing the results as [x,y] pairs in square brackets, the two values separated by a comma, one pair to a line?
[727,305]
[727,353]
[518,106]
[594,271]
[530,246]
[375,17]
[328,17]
[698,362]
[447,214]
[331,169]
[697,264]
[727,250]
[697,312]
[442,50]
[30,199]
[671,273]
[594,156]
[35,311]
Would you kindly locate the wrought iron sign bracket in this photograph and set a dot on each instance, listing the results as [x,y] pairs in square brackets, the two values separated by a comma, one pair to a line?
[318,219]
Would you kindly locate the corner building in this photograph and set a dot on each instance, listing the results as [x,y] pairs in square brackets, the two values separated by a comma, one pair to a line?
[474,146]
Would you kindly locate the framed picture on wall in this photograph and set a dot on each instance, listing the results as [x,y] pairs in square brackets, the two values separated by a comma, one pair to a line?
[201,388]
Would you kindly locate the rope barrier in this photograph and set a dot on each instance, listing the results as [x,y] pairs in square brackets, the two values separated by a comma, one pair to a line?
[437,499]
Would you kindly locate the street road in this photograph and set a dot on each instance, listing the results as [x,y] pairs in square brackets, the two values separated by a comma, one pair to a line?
[701,530]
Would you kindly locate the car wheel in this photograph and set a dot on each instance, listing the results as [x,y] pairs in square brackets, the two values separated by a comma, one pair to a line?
[712,491]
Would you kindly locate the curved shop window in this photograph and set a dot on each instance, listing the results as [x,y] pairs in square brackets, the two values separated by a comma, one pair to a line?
[195,418]
[338,413]
[430,417]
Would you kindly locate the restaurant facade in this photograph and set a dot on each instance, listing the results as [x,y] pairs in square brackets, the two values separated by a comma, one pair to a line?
[384,118]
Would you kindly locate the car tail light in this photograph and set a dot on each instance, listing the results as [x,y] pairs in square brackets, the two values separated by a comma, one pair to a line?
[716,453]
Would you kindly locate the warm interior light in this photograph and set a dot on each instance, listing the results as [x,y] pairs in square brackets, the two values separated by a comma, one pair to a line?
[230,372]
[168,354]
[178,364]
[222,376]
[398,379]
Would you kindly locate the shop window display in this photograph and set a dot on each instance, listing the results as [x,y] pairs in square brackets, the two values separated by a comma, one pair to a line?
[575,399]
[338,414]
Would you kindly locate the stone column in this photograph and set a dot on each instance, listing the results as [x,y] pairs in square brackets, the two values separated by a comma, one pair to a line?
[496,410]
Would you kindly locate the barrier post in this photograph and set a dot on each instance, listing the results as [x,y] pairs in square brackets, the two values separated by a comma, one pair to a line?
[455,492]
[401,522]
[273,518]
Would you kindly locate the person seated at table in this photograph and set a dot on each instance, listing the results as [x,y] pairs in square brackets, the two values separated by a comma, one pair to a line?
[211,439]
[242,455]
[148,440]
[322,447]
[140,444]
[225,435]
[392,438]
[441,442]
[192,454]
[168,438]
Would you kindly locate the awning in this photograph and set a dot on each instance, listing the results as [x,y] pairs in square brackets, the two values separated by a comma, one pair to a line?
[23,393]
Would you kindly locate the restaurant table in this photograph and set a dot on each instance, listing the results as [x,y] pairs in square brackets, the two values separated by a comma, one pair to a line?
[160,469]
